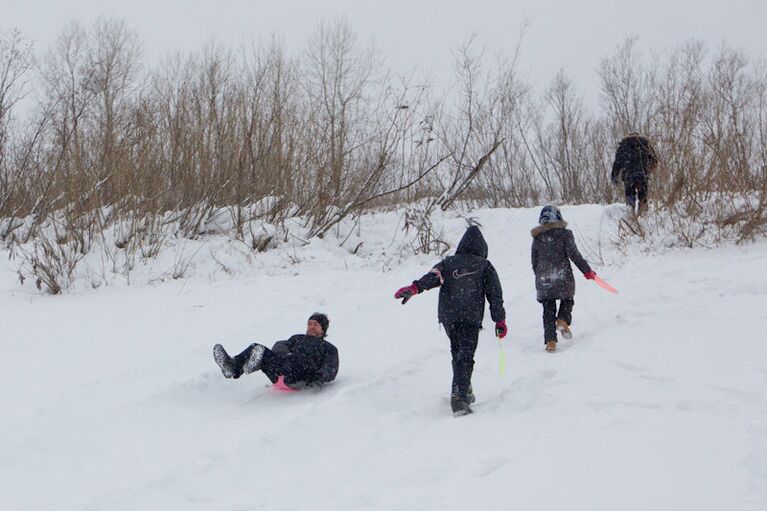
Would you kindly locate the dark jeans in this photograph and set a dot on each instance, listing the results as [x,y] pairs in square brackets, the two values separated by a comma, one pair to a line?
[636,189]
[551,315]
[292,366]
[463,344]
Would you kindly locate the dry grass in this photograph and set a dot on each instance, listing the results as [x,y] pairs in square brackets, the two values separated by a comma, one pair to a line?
[323,136]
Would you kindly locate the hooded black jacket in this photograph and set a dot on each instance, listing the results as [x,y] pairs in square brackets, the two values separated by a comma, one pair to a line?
[635,158]
[302,358]
[466,279]
[553,249]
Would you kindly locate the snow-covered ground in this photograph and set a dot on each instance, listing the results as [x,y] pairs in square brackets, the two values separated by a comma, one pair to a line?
[111,400]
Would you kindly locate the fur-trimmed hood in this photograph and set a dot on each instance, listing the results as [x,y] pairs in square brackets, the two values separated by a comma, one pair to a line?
[538,229]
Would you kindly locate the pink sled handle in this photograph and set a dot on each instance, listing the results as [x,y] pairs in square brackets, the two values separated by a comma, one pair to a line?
[604,285]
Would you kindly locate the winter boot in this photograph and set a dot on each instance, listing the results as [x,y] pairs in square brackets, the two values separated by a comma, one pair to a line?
[227,364]
[470,398]
[460,407]
[459,402]
[564,329]
[551,346]
[253,362]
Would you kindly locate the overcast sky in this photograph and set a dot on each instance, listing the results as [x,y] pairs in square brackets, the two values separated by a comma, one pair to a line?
[568,34]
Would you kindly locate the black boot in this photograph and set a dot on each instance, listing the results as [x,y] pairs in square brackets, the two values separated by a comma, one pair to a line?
[459,402]
[227,364]
[470,398]
[460,407]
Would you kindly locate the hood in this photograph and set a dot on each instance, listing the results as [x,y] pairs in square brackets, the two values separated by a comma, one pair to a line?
[550,213]
[472,243]
[547,227]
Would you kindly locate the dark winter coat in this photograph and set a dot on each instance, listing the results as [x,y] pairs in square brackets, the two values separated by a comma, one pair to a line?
[302,358]
[553,249]
[467,279]
[635,159]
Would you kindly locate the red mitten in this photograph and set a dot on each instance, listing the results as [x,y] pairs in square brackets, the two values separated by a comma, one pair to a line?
[406,293]
[500,329]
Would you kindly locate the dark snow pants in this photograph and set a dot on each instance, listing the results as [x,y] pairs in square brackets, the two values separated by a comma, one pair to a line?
[551,315]
[636,189]
[292,366]
[463,344]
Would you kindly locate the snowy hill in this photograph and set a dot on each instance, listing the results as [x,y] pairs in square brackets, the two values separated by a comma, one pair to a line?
[111,399]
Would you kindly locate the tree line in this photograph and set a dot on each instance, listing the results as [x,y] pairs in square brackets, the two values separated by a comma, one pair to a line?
[106,142]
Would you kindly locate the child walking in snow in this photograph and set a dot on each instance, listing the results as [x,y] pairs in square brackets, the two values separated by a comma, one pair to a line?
[466,280]
[553,249]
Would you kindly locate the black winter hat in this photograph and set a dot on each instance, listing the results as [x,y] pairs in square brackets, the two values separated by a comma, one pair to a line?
[550,214]
[323,320]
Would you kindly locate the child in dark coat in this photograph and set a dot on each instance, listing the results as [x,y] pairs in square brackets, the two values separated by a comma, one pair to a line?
[466,280]
[553,249]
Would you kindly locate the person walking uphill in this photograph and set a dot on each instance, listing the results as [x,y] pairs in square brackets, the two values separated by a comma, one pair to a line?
[553,249]
[466,280]
[302,360]
[635,159]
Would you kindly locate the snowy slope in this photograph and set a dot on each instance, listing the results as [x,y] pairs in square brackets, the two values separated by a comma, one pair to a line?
[111,399]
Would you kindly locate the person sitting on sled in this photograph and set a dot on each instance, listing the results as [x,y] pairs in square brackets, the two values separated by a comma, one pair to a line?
[553,249]
[304,360]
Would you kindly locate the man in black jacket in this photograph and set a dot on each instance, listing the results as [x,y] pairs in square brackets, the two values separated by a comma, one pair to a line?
[303,360]
[635,159]
[465,279]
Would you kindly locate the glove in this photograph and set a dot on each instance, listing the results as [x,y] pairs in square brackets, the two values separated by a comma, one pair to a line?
[406,292]
[590,275]
[500,329]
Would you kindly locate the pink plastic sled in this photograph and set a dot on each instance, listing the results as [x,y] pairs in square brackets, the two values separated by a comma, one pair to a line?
[281,386]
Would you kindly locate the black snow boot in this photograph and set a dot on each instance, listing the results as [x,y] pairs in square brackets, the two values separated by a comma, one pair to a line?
[460,407]
[459,402]
[470,397]
[228,366]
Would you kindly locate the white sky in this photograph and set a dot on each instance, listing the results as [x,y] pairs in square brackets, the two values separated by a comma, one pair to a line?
[413,33]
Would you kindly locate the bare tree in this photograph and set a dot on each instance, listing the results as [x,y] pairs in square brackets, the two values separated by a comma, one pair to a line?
[15,64]
[561,148]
[476,131]
[115,61]
[626,96]
[68,78]
[338,75]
